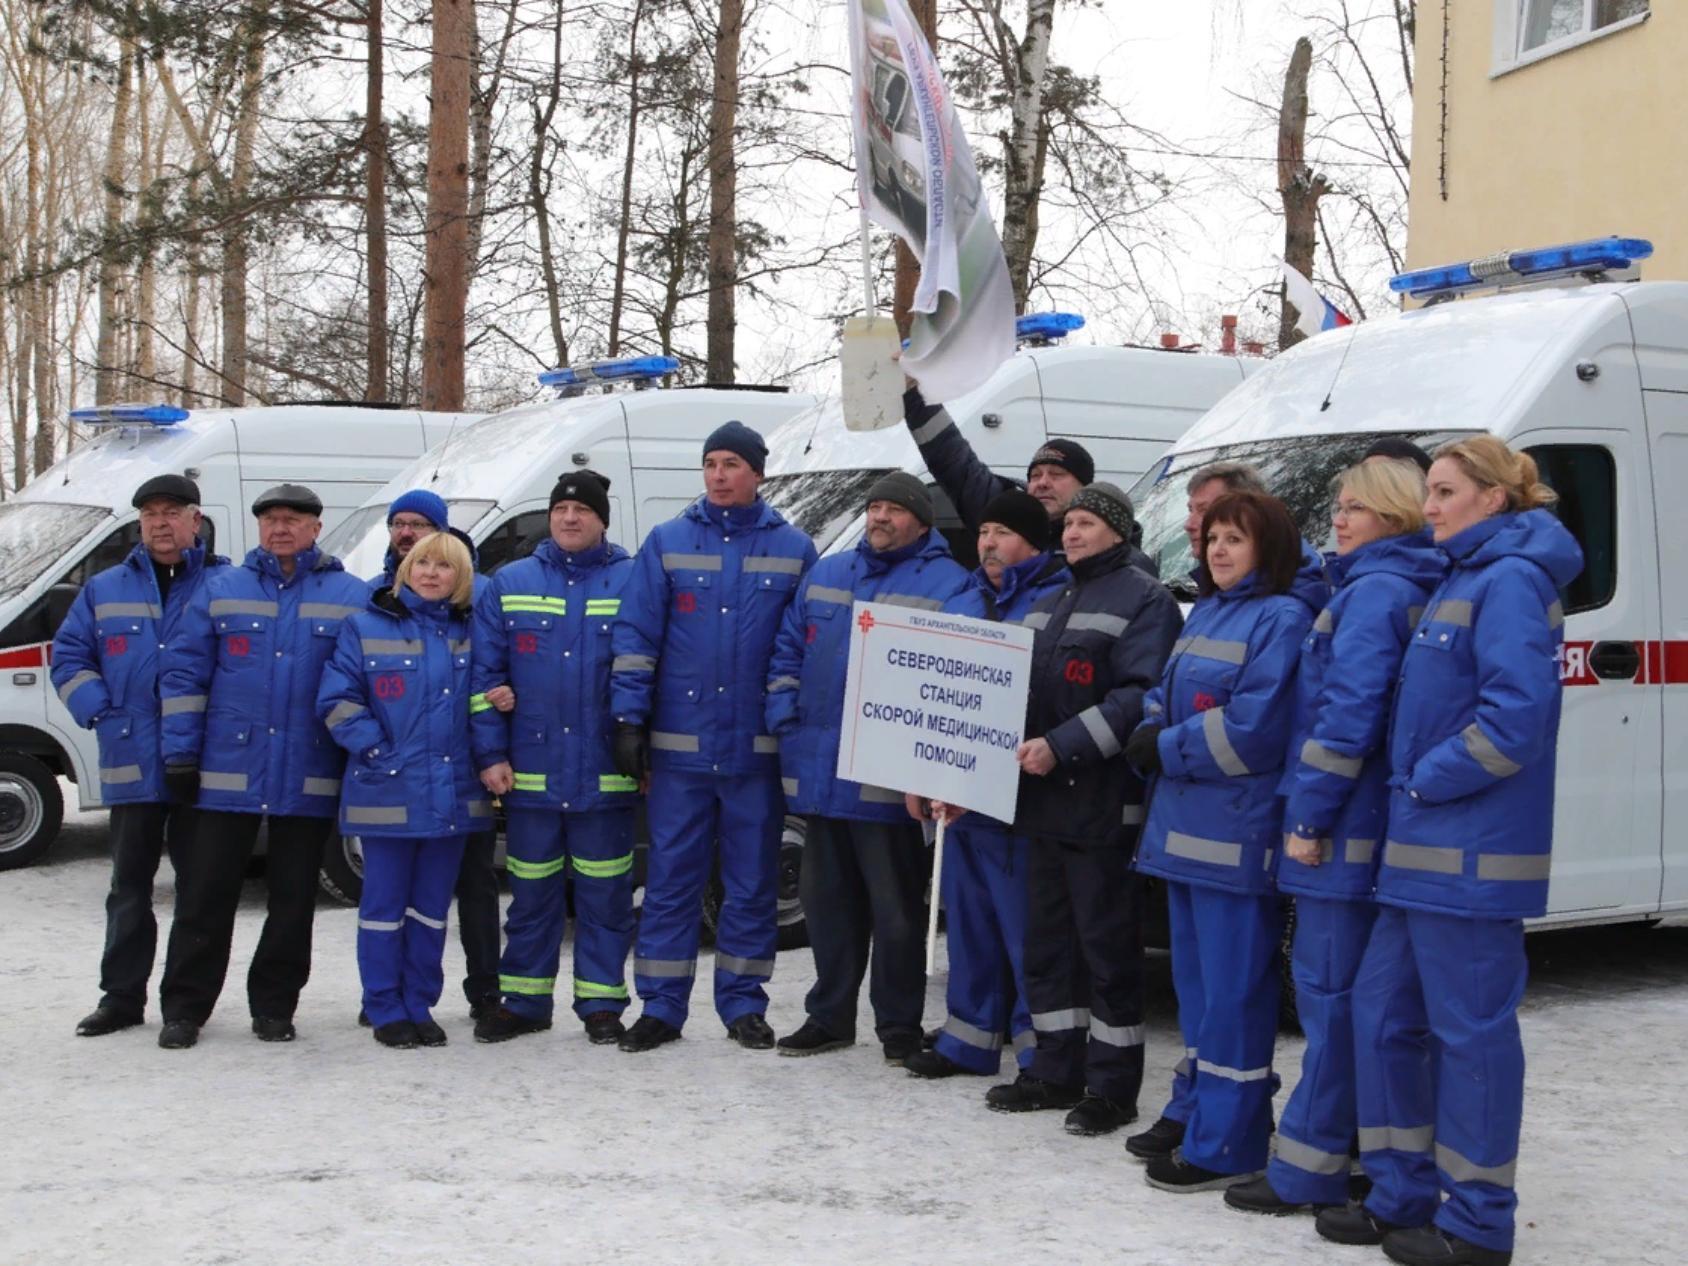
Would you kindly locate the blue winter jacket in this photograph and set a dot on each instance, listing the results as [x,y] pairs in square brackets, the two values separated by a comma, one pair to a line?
[395,695]
[805,707]
[1226,701]
[1472,743]
[543,627]
[1024,585]
[106,659]
[240,684]
[697,628]
[1335,782]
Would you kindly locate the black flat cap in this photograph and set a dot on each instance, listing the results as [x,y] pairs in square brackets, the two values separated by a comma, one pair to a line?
[178,488]
[289,497]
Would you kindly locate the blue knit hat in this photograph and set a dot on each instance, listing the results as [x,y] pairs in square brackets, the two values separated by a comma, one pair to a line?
[736,437]
[430,505]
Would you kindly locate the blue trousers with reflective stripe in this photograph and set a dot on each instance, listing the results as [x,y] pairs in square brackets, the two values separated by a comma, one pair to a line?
[603,909]
[1224,968]
[693,819]
[1436,1032]
[407,887]
[1317,1128]
[984,889]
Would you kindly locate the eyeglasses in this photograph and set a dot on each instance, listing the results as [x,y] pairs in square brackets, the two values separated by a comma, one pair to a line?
[1349,509]
[410,525]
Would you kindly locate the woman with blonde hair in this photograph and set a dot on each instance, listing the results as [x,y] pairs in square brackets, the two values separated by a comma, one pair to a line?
[1336,793]
[1440,1085]
[395,695]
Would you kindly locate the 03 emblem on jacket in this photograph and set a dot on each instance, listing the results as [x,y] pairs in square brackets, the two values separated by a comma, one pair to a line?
[116,645]
[1080,672]
[685,602]
[239,644]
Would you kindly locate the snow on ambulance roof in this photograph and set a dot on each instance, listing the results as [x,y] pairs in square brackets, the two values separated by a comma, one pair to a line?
[1470,364]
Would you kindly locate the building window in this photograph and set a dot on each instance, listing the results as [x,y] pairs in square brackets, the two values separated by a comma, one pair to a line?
[1528,30]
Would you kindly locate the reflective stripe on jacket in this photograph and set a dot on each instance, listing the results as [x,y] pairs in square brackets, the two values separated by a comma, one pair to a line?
[1472,742]
[1100,642]
[1336,773]
[805,706]
[543,627]
[240,683]
[395,696]
[106,661]
[1227,702]
[696,631]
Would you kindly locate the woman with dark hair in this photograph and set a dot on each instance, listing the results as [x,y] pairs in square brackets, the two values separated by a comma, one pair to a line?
[1214,734]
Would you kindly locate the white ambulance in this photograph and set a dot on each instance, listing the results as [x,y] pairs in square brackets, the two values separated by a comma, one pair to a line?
[1124,404]
[75,520]
[1567,355]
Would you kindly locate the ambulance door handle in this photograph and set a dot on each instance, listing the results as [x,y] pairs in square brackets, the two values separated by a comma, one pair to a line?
[1615,661]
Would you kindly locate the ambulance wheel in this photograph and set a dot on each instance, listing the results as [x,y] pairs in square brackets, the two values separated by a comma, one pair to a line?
[342,869]
[1289,1019]
[793,928]
[31,809]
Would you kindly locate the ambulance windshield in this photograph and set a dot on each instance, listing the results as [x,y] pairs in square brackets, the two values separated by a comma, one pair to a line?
[35,534]
[1298,469]
[822,502]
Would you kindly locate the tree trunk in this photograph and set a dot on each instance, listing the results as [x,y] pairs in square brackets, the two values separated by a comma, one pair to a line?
[1298,186]
[191,354]
[619,292]
[146,279]
[375,210]
[908,267]
[723,194]
[537,188]
[236,243]
[445,268]
[1024,148]
[111,275]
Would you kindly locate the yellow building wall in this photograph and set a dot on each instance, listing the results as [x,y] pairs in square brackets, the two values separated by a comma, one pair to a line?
[1589,142]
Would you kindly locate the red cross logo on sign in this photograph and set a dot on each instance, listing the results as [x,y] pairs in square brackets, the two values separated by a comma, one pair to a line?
[865,621]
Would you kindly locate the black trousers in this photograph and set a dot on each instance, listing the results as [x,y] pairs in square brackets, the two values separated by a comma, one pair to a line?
[140,835]
[208,894]
[863,888]
[1084,967]
[477,919]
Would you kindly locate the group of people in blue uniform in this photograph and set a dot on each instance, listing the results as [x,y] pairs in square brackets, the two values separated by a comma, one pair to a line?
[1371,732]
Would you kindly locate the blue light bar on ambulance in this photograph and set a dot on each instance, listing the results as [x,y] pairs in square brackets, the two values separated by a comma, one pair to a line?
[129,415]
[630,369]
[1595,255]
[1046,327]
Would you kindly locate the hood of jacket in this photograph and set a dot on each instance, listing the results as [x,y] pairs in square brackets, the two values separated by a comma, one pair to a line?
[602,554]
[1412,556]
[1532,534]
[264,563]
[758,514]
[926,547]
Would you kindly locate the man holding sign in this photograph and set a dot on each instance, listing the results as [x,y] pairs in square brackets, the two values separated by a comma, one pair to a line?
[984,871]
[864,873]
[1101,643]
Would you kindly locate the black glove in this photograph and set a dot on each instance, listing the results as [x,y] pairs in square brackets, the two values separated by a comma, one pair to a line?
[1142,749]
[181,783]
[632,750]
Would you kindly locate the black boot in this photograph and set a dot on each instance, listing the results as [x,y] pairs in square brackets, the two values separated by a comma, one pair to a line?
[1174,1173]
[1097,1115]
[1260,1197]
[1432,1246]
[401,1035]
[1031,1094]
[932,1065]
[1353,1224]
[504,1024]
[270,1029]
[428,1033]
[103,1019]
[178,1035]
[604,1028]
[811,1039]
[752,1032]
[1160,1139]
[363,1019]
[647,1034]
[899,1046]
[480,1008]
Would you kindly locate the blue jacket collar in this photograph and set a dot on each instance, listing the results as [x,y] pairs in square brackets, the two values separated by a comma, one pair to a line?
[929,544]
[1532,534]
[1411,555]
[1022,575]
[734,518]
[605,551]
[194,556]
[264,563]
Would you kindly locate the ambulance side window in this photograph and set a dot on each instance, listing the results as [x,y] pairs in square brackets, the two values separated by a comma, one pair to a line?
[1586,479]
[514,538]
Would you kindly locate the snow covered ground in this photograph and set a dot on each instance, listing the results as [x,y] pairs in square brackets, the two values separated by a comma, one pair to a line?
[547,1149]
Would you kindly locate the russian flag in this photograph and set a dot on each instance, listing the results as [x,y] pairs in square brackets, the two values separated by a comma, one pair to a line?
[1314,312]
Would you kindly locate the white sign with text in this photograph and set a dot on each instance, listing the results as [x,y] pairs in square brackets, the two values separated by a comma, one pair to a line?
[935,705]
